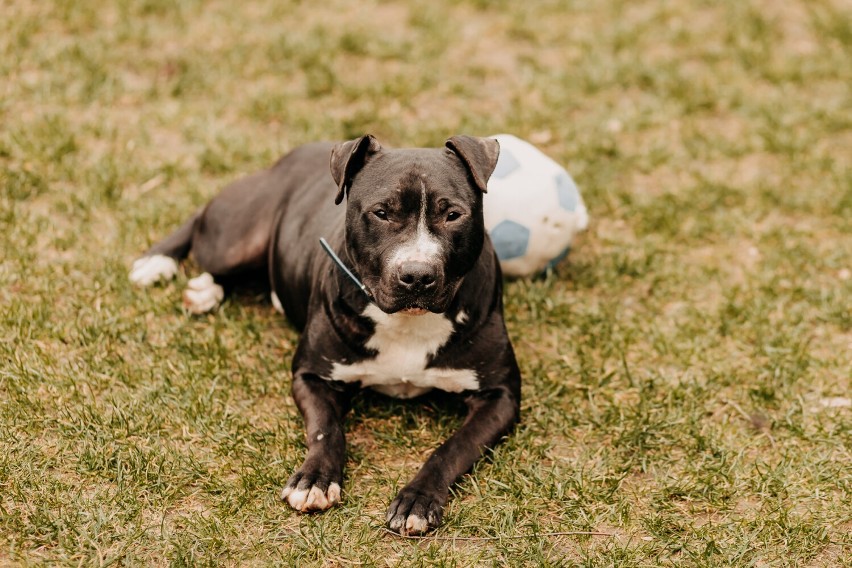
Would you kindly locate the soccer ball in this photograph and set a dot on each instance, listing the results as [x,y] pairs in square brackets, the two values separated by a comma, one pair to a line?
[533,209]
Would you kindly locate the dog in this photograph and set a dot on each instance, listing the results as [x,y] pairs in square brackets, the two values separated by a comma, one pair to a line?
[412,303]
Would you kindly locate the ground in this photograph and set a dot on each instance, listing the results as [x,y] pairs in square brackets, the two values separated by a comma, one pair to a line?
[687,371]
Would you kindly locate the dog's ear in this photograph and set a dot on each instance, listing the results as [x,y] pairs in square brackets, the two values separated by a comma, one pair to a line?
[479,156]
[349,157]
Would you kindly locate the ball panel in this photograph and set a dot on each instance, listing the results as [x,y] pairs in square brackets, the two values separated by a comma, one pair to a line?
[506,164]
[566,191]
[510,239]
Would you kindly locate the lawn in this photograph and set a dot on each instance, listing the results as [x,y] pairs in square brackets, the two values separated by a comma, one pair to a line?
[687,372]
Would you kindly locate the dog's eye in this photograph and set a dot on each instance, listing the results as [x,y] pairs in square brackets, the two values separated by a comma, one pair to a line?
[453,215]
[381,214]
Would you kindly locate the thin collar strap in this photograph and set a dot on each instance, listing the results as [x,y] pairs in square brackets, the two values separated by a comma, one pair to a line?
[327,248]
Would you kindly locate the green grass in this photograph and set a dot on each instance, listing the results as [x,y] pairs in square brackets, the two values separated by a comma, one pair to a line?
[677,369]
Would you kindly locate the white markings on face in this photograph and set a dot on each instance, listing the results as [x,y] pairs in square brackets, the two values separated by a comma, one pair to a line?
[423,247]
[404,344]
[276,303]
[202,294]
[320,437]
[150,269]
[313,499]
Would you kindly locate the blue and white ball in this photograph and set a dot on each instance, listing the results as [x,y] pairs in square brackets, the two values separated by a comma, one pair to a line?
[533,209]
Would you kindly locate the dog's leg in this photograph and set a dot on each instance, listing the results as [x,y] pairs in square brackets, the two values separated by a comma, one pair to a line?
[160,262]
[316,485]
[419,506]
[228,238]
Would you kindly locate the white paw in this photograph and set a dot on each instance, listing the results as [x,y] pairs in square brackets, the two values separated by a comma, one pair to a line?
[410,525]
[402,517]
[202,294]
[415,525]
[313,499]
[276,303]
[150,269]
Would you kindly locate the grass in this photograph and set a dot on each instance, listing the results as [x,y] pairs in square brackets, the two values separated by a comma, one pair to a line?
[687,372]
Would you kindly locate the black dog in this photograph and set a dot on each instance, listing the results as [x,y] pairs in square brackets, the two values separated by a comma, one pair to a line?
[429,314]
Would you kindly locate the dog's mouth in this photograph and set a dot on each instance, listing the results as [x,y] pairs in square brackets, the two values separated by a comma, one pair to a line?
[414,311]
[393,301]
[412,308]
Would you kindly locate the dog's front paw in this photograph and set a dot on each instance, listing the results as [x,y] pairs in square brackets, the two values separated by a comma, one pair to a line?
[309,491]
[415,512]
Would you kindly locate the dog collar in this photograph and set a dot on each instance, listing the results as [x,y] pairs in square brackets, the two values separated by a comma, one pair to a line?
[327,248]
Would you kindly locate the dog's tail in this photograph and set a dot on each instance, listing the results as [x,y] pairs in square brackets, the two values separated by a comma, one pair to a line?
[160,262]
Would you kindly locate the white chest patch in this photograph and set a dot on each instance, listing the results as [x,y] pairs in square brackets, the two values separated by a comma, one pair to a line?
[404,343]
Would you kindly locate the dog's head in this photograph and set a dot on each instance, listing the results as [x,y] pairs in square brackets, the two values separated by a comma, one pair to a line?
[414,223]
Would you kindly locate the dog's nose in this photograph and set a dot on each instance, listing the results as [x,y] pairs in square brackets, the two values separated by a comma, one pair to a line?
[417,276]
